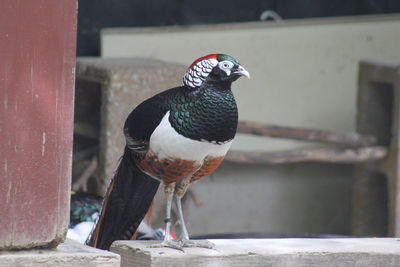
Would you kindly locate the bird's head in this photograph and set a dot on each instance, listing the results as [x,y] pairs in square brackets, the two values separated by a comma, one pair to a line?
[213,69]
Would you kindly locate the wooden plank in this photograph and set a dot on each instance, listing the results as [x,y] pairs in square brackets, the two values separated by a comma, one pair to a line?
[344,139]
[266,252]
[38,42]
[328,154]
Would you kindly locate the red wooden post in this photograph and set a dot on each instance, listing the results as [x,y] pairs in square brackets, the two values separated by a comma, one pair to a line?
[37,54]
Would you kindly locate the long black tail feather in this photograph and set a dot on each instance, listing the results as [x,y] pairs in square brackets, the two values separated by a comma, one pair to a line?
[127,201]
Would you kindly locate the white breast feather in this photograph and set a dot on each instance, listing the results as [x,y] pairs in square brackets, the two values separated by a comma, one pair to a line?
[166,142]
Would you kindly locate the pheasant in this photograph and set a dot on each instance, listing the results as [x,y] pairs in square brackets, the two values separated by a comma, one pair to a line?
[175,137]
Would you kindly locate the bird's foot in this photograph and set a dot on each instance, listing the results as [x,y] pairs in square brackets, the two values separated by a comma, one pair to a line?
[169,244]
[198,244]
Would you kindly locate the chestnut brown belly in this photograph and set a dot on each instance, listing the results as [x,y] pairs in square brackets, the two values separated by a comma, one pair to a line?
[171,170]
[210,164]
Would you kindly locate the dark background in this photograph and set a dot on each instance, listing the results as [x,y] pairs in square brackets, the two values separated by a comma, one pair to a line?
[94,15]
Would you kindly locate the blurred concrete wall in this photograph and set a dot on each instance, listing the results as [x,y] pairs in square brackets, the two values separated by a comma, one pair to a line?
[95,15]
[304,73]
[297,198]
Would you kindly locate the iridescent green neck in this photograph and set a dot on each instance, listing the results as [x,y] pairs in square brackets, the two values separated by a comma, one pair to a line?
[209,115]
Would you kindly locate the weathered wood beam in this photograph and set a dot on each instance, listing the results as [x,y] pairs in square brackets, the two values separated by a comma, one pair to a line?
[345,139]
[328,154]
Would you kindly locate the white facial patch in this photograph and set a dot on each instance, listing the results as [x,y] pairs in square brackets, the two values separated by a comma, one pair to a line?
[197,74]
[226,66]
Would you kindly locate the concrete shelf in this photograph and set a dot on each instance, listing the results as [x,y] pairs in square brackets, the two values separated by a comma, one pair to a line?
[267,252]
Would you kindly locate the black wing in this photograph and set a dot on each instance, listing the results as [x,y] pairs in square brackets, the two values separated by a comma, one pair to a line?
[145,118]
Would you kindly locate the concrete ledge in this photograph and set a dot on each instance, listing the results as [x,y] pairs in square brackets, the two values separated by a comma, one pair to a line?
[267,252]
[66,254]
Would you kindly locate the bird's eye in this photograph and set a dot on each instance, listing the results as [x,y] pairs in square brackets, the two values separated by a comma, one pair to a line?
[226,65]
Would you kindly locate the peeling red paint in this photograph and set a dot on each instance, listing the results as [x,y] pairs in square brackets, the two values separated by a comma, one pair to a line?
[38,41]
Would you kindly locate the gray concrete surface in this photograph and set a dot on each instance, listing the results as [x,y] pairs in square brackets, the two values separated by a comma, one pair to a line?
[266,252]
[66,254]
[376,195]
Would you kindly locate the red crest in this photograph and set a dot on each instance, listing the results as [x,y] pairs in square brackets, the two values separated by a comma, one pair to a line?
[210,56]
